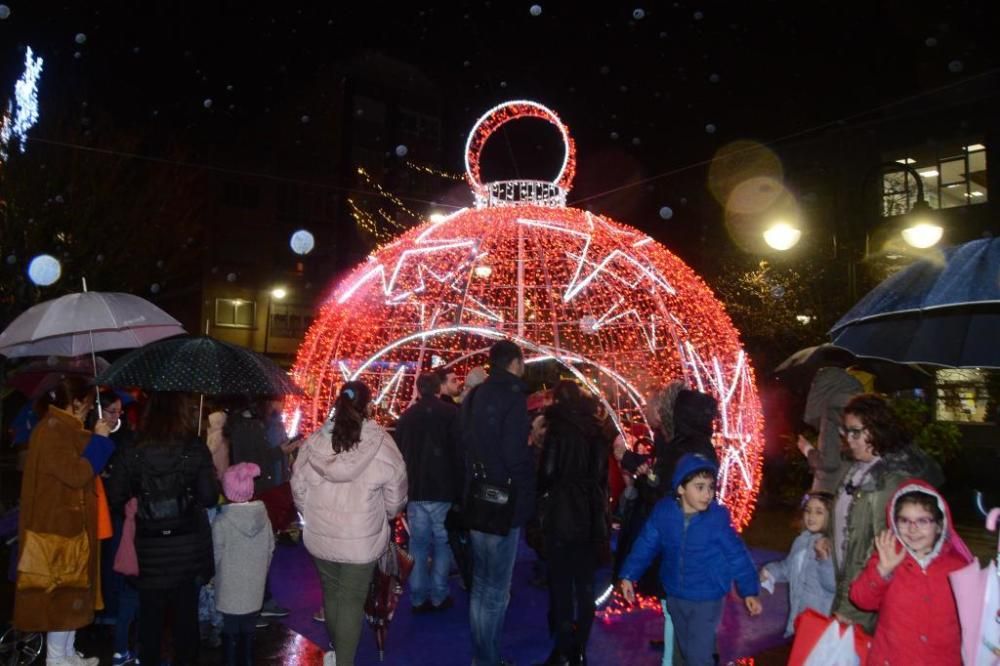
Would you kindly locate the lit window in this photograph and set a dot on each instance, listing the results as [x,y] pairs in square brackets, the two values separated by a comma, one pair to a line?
[962,395]
[951,176]
[235,313]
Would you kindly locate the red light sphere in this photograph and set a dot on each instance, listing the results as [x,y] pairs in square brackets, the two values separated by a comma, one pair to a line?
[612,306]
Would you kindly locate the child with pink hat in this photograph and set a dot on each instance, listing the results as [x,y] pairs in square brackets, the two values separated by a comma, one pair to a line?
[244,542]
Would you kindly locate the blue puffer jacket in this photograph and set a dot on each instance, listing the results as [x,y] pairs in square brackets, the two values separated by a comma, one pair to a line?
[700,561]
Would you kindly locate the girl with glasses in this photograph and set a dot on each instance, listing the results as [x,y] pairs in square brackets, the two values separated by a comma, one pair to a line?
[906,581]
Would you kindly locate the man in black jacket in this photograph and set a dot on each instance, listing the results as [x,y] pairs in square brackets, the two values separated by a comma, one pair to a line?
[495,429]
[427,434]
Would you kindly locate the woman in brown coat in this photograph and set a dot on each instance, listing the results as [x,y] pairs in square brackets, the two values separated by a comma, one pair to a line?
[58,497]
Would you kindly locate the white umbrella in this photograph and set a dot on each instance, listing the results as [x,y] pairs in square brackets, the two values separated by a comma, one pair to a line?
[87,322]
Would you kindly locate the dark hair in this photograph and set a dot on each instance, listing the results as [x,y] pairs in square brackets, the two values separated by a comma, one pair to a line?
[428,384]
[827,500]
[502,354]
[108,398]
[169,417]
[920,498]
[697,474]
[63,392]
[442,373]
[886,430]
[349,413]
[567,392]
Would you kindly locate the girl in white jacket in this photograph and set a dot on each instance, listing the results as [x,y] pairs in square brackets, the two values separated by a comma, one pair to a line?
[349,480]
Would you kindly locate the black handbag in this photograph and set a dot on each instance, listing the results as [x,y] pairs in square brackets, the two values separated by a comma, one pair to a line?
[488,507]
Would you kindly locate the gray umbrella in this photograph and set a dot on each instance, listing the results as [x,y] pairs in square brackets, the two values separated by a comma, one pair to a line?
[199,365]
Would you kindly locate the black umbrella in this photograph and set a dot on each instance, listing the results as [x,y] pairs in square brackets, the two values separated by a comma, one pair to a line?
[940,311]
[199,365]
[797,371]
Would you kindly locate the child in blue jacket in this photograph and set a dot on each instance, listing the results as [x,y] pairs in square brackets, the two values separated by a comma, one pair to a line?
[702,556]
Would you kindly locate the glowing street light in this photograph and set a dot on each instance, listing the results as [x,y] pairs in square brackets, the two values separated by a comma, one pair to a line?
[782,236]
[923,232]
[279,293]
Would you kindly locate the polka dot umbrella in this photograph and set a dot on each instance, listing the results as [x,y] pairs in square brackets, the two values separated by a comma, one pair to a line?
[199,365]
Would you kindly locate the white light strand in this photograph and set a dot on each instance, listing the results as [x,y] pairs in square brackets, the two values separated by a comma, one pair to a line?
[26,98]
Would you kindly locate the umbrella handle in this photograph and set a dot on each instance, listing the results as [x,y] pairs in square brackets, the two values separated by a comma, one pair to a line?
[991,520]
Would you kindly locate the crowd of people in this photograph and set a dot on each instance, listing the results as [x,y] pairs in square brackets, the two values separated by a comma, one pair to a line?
[186,525]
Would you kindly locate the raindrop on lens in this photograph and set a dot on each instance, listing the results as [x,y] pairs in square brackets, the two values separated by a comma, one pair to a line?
[4,12]
[80,38]
[536,10]
[302,242]
[955,66]
[154,288]
[207,103]
[401,150]
[777,292]
[11,259]
[638,14]
[44,270]
[931,42]
[710,128]
[666,212]
[231,277]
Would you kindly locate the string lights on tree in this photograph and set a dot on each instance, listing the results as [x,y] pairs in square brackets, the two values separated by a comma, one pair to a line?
[617,310]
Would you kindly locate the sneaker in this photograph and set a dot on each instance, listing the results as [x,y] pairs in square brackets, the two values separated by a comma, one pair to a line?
[73,660]
[444,605]
[119,659]
[262,623]
[319,616]
[272,609]
[330,658]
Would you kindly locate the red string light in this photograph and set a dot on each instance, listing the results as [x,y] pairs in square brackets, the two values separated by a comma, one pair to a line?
[618,310]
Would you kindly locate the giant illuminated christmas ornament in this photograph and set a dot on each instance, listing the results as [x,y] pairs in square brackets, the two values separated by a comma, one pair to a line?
[616,309]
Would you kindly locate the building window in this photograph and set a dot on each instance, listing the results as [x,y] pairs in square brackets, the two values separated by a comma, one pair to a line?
[290,321]
[962,395]
[235,313]
[952,175]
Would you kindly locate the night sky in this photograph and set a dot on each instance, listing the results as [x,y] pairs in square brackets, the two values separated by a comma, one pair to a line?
[649,90]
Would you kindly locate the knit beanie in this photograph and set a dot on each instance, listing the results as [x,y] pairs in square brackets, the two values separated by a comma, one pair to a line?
[237,482]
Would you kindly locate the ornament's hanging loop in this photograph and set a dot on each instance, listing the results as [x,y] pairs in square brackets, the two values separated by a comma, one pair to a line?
[498,116]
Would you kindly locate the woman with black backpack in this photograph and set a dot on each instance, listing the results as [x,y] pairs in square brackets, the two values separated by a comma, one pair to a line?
[171,475]
[574,515]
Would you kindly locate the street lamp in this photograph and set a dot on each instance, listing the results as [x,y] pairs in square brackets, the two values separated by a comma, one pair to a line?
[922,230]
[782,236]
[276,294]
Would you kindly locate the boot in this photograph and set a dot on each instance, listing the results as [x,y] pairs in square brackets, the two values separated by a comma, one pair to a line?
[229,642]
[245,650]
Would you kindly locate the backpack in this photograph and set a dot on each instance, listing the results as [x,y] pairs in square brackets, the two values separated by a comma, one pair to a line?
[166,502]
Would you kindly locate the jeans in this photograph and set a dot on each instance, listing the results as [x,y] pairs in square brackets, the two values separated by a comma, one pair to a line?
[128,609]
[695,625]
[492,567]
[345,587]
[428,536]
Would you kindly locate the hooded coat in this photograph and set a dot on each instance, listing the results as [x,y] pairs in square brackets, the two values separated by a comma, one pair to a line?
[347,498]
[831,390]
[918,619]
[702,555]
[243,542]
[694,414]
[866,518]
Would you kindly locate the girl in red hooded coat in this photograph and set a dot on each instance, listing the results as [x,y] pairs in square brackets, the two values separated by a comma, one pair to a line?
[906,581]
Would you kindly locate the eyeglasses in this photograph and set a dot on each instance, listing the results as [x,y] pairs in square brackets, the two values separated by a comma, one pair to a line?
[923,522]
[851,433]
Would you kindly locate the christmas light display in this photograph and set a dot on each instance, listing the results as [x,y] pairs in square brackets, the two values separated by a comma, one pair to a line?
[614,308]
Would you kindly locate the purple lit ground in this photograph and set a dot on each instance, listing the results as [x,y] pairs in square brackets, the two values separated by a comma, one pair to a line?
[442,638]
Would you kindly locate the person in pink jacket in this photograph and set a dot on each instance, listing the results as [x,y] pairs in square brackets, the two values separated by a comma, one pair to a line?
[906,581]
[348,481]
